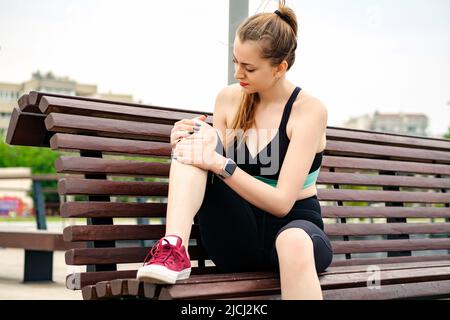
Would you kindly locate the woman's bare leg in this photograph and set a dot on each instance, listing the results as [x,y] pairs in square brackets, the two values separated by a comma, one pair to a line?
[187,185]
[298,276]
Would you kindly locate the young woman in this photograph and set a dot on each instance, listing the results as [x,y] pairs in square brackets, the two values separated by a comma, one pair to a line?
[251,176]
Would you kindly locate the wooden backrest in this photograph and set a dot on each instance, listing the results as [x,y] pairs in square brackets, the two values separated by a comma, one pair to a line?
[384,196]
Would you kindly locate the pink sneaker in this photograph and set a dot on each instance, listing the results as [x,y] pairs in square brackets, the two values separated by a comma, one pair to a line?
[168,264]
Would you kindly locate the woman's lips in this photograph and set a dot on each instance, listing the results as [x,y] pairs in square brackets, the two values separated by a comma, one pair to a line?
[243,84]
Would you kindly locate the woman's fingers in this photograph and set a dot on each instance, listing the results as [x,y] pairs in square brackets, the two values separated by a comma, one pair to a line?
[184,129]
[190,121]
[180,131]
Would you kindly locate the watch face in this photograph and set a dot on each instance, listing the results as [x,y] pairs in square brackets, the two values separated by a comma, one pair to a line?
[230,166]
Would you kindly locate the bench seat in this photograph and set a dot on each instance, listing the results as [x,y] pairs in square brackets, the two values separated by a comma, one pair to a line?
[397,281]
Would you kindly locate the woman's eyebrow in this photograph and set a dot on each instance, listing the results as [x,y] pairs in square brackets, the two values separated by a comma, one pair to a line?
[247,64]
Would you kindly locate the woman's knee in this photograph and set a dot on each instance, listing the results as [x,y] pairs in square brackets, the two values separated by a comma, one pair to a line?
[295,245]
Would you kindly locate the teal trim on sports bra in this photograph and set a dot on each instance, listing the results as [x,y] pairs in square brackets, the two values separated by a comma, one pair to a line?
[310,179]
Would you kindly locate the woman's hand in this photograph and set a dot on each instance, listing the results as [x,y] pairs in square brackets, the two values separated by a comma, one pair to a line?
[183,129]
[199,149]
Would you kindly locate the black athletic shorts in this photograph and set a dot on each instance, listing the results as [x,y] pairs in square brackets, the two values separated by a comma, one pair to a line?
[241,237]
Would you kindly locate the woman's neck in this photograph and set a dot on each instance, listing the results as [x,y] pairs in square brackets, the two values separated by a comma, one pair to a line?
[276,95]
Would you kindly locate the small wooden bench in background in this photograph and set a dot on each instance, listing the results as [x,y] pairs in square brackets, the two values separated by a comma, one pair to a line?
[383,194]
[39,244]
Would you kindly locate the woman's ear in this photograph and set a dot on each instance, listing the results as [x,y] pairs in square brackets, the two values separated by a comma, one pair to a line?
[281,69]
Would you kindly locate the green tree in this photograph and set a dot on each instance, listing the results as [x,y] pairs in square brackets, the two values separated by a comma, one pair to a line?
[40,160]
[447,135]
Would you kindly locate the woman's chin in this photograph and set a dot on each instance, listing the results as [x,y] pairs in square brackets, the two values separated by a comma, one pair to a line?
[248,90]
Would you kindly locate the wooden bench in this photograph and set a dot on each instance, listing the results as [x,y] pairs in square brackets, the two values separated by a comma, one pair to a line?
[39,244]
[384,198]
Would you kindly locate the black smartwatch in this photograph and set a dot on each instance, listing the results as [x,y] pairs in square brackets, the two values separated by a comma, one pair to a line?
[228,169]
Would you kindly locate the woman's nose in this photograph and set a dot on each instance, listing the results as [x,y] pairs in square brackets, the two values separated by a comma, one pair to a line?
[238,73]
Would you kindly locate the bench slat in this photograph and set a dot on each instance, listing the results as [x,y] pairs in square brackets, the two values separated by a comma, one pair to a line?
[388,260]
[383,212]
[111,110]
[345,134]
[122,287]
[385,292]
[102,187]
[25,104]
[96,209]
[72,142]
[82,125]
[90,209]
[381,196]
[384,165]
[36,240]
[359,279]
[112,167]
[365,229]
[368,246]
[27,129]
[78,280]
[360,179]
[119,255]
[89,293]
[103,289]
[36,96]
[384,152]
[119,232]
[389,266]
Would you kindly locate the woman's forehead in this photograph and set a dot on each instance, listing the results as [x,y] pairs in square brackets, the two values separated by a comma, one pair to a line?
[247,51]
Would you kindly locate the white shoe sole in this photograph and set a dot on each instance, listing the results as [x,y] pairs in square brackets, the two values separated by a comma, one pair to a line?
[161,275]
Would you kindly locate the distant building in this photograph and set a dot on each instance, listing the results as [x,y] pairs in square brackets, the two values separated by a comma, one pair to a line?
[11,92]
[403,123]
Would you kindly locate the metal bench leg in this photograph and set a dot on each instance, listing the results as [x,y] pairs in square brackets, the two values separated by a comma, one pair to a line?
[38,266]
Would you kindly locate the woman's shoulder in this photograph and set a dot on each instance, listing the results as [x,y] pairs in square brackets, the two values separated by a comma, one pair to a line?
[230,93]
[227,101]
[307,103]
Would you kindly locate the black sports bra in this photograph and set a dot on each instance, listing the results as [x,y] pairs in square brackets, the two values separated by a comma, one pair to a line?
[266,166]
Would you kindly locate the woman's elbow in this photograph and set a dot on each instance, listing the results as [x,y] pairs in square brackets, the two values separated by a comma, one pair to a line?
[284,208]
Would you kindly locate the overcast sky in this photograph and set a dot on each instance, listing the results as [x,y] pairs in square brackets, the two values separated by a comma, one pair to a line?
[357,56]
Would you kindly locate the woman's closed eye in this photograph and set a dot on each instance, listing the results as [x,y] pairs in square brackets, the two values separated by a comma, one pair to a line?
[235,62]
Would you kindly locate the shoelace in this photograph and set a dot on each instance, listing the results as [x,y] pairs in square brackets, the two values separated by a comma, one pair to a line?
[163,252]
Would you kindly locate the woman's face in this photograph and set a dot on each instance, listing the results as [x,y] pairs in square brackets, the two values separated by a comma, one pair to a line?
[251,69]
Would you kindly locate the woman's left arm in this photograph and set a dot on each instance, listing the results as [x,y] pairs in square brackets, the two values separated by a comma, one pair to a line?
[306,136]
